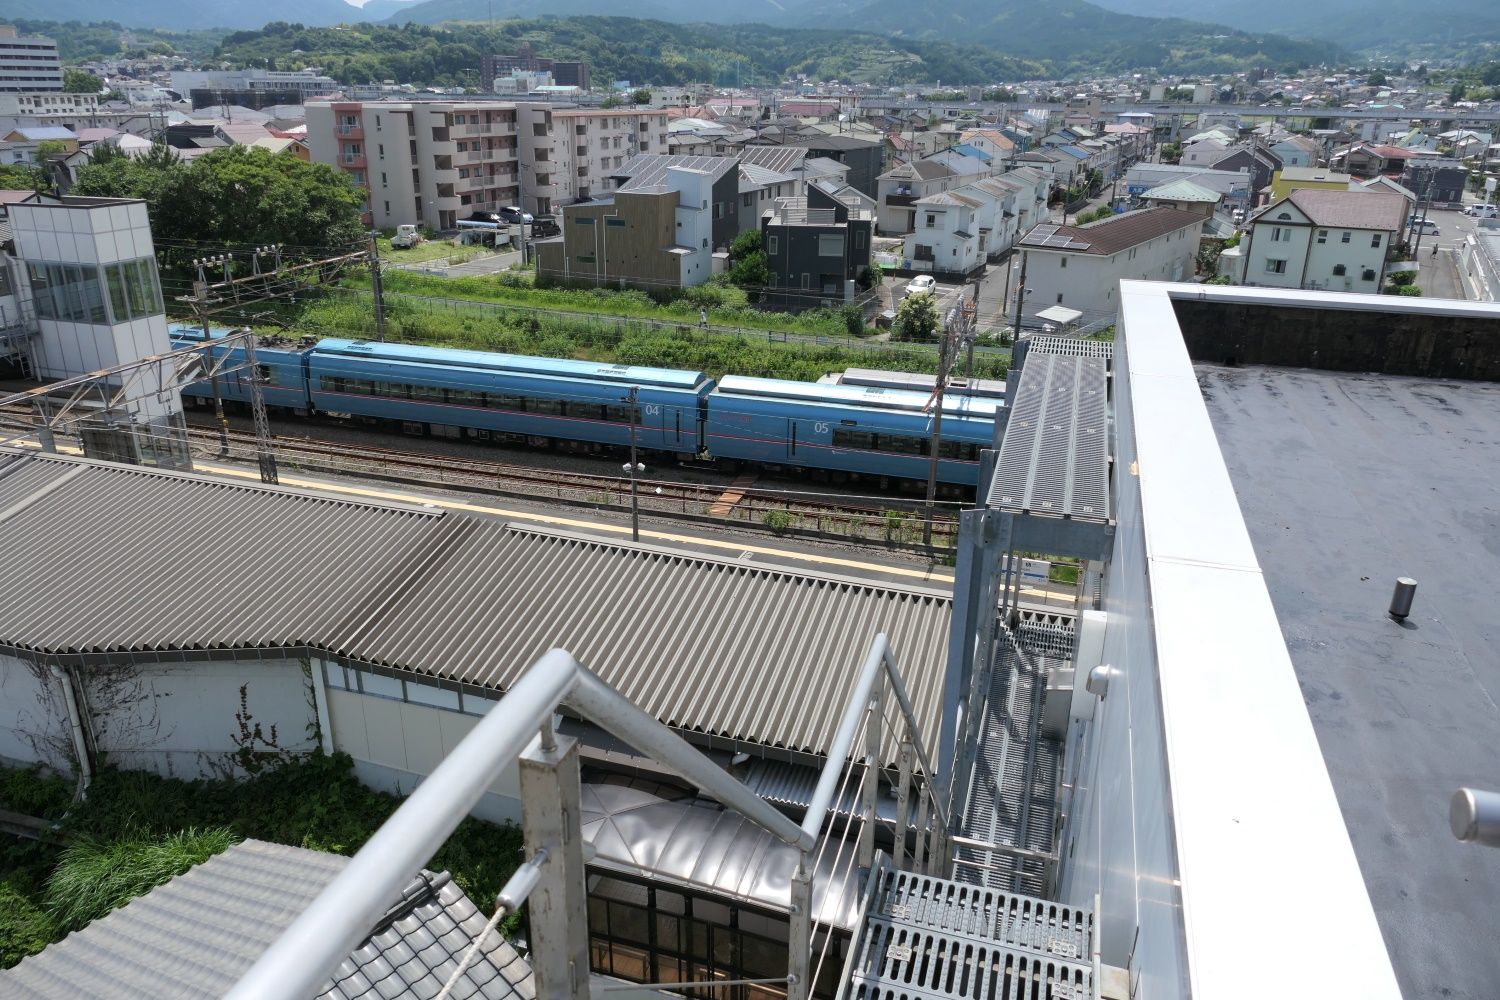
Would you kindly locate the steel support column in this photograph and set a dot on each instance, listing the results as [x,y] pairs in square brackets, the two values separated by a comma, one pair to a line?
[558,909]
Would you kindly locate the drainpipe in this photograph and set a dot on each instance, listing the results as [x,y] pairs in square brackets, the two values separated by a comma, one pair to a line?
[80,747]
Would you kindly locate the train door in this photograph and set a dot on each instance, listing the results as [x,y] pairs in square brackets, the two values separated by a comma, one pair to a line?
[791,441]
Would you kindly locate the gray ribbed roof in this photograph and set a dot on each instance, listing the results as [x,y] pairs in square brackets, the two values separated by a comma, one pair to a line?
[103,559]
[196,935]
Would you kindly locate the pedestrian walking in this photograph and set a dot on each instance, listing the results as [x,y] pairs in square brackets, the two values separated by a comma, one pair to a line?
[703,319]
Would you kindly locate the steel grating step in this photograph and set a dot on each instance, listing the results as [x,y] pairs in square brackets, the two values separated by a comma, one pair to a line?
[900,962]
[1020,922]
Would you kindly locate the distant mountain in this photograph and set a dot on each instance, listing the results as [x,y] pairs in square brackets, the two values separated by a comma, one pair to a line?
[1076,33]
[179,16]
[1357,24]
[382,10]
[675,11]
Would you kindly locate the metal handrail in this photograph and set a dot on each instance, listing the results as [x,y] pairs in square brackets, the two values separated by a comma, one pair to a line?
[300,961]
[879,659]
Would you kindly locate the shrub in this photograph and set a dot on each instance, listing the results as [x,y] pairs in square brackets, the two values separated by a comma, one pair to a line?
[777,520]
[93,878]
[1403,290]
[854,320]
[25,928]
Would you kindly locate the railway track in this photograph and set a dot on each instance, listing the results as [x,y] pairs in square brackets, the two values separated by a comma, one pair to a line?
[737,503]
[891,522]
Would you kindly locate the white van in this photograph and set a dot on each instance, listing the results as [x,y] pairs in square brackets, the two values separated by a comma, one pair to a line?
[1483,211]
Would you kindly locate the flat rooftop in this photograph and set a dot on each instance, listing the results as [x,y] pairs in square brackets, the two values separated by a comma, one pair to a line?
[1347,481]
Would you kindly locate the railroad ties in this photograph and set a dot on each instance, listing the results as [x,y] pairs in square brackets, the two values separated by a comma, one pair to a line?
[731,497]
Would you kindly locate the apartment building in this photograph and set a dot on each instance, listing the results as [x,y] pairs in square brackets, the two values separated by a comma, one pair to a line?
[427,163]
[571,154]
[28,63]
[49,102]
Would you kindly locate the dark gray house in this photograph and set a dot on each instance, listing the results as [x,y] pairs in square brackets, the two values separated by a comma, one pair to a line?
[1445,176]
[1261,164]
[817,244]
[864,157]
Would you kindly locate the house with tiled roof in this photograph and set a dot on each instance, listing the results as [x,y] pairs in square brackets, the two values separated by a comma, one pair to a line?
[1318,239]
[1081,267]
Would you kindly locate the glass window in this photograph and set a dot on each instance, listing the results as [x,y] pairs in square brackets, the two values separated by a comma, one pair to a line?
[853,439]
[831,246]
[903,444]
[67,292]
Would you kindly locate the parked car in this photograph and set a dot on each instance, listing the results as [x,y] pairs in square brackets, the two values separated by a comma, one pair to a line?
[514,215]
[1483,211]
[406,236]
[544,226]
[1425,226]
[921,284]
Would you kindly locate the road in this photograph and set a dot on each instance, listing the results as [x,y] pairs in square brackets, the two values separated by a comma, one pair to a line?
[1439,277]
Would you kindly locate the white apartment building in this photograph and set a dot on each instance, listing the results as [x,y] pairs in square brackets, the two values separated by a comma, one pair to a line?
[44,103]
[568,153]
[427,163]
[1081,267]
[305,82]
[1324,240]
[28,63]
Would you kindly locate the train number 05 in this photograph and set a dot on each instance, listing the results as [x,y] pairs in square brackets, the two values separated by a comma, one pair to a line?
[821,427]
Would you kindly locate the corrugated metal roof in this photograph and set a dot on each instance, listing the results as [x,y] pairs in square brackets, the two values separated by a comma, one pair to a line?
[103,559]
[196,935]
[648,169]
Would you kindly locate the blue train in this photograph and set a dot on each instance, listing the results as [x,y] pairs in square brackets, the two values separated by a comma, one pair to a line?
[848,429]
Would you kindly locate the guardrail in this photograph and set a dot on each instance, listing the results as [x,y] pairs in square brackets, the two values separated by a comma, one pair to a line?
[519,727]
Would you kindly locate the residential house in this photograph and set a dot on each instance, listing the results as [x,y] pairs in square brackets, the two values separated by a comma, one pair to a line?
[1371,159]
[1081,267]
[1296,150]
[762,187]
[818,245]
[864,156]
[1257,161]
[1435,179]
[721,205]
[1185,196]
[900,188]
[654,232]
[1289,179]
[1204,152]
[946,240]
[992,142]
[1318,239]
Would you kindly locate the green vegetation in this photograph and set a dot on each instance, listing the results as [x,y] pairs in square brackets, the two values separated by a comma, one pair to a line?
[425,251]
[555,331]
[1102,212]
[916,317]
[666,54]
[232,197]
[79,41]
[22,177]
[138,818]
[94,877]
[77,81]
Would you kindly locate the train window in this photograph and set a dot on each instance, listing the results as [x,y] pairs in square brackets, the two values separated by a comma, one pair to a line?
[395,390]
[363,387]
[963,451]
[427,393]
[550,407]
[902,444]
[266,374]
[621,414]
[331,383]
[465,397]
[853,439]
[500,401]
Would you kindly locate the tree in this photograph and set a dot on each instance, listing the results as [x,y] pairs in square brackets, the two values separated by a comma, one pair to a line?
[49,148]
[1377,79]
[642,96]
[745,244]
[78,81]
[236,196]
[21,177]
[610,102]
[1456,93]
[916,317]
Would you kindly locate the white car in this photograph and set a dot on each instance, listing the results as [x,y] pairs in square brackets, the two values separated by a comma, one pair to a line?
[922,283]
[1483,211]
[1426,227]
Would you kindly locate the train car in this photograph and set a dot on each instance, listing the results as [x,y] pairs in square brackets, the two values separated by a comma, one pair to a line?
[283,384]
[865,430]
[473,394]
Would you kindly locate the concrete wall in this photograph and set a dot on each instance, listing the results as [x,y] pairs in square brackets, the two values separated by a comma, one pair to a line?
[175,719]
[1430,344]
[1091,283]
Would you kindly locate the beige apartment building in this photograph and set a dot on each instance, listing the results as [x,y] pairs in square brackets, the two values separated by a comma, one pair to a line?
[432,163]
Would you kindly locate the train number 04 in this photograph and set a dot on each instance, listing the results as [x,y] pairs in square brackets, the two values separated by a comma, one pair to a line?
[653,409]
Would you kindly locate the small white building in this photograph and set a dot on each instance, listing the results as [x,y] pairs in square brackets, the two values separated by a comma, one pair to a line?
[947,236]
[87,284]
[1081,267]
[1318,239]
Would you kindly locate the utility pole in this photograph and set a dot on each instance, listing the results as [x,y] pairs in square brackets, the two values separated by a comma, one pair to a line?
[1426,204]
[633,467]
[265,454]
[200,306]
[945,358]
[377,287]
[1020,298]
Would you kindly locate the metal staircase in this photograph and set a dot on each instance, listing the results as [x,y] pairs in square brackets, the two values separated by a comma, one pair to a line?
[1013,785]
[929,938]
